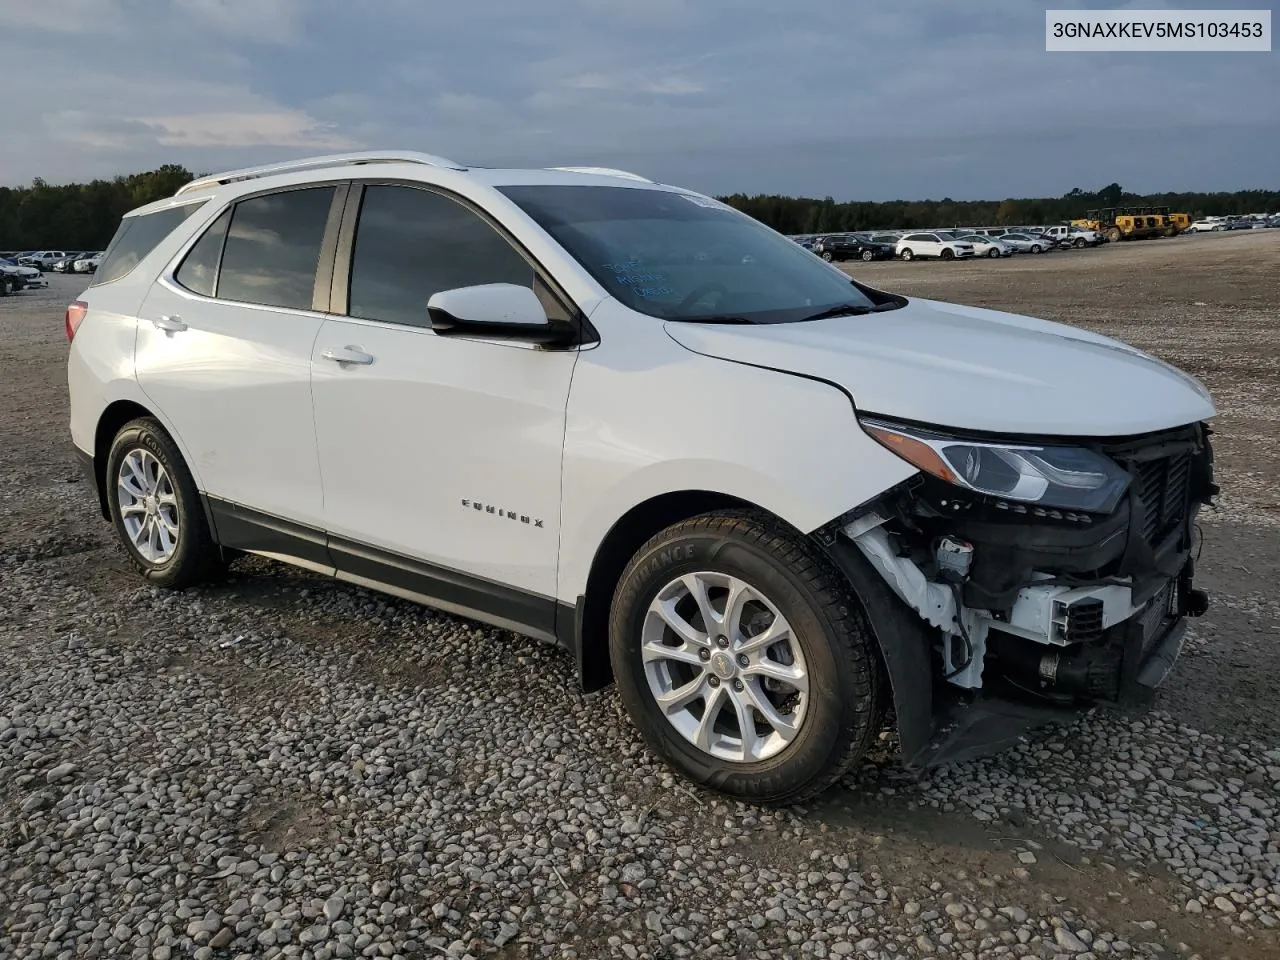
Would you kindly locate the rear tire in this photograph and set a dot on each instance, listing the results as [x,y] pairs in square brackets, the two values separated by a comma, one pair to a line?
[867,256]
[661,643]
[156,508]
[827,256]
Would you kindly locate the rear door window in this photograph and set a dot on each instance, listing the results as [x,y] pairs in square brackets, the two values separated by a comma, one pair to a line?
[272,248]
[199,269]
[136,237]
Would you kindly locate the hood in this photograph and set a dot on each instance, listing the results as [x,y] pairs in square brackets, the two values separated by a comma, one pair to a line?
[971,369]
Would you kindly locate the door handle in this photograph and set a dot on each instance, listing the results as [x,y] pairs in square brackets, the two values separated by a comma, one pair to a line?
[173,324]
[348,354]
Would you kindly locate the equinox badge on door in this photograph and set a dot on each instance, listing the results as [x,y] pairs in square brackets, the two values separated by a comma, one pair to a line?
[501,512]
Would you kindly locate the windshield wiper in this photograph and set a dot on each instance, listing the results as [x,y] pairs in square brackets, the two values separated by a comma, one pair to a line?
[843,310]
[711,319]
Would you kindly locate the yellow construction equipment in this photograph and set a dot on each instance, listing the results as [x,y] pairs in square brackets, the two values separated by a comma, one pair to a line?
[1134,223]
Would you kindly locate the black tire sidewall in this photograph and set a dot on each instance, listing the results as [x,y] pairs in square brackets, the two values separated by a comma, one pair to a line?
[194,558]
[831,675]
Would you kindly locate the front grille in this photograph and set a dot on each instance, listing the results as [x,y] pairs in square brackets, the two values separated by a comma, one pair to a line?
[1162,486]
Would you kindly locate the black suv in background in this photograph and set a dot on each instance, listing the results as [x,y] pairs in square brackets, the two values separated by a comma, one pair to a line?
[843,247]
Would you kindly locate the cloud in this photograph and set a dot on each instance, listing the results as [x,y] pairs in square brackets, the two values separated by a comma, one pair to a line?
[279,128]
[855,100]
[259,21]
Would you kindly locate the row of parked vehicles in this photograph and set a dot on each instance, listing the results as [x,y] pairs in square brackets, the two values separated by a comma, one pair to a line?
[1218,224]
[59,261]
[955,244]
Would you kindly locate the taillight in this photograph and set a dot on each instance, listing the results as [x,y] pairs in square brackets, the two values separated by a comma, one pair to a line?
[75,314]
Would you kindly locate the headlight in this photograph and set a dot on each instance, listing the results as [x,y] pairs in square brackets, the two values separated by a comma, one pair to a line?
[1068,478]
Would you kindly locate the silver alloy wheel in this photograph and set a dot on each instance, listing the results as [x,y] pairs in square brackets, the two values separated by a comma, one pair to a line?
[148,506]
[724,667]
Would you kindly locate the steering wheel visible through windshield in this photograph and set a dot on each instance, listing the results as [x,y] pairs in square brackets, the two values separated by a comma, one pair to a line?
[679,256]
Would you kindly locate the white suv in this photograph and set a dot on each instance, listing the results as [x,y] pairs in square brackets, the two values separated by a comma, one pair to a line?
[916,246]
[767,500]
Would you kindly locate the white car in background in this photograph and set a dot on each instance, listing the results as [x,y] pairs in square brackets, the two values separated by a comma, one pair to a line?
[943,246]
[1207,225]
[87,264]
[1023,243]
[986,246]
[1074,236]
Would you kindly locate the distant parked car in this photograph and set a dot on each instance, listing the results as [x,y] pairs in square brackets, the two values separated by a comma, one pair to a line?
[846,247]
[1076,237]
[1024,243]
[64,265]
[87,264]
[41,259]
[927,245]
[10,280]
[986,246]
[20,277]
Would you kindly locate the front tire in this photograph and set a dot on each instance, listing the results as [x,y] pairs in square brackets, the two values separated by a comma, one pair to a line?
[948,254]
[827,256]
[743,659]
[1079,243]
[156,508]
[907,254]
[993,252]
[868,256]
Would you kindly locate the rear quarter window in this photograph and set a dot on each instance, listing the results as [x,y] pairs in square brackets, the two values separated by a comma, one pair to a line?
[136,237]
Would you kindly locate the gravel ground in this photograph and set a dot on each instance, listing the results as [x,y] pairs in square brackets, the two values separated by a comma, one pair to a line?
[284,766]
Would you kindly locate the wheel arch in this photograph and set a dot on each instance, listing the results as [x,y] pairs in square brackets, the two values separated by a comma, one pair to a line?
[115,416]
[588,633]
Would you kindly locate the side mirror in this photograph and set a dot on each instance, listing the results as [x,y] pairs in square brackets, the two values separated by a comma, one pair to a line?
[494,311]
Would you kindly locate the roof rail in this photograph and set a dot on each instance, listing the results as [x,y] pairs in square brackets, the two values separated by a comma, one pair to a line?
[311,163]
[604,172]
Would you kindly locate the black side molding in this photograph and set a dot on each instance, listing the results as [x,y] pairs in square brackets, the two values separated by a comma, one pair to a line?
[238,527]
[526,613]
[530,614]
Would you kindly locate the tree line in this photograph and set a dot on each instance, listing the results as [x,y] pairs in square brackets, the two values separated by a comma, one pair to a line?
[83,216]
[794,215]
[79,216]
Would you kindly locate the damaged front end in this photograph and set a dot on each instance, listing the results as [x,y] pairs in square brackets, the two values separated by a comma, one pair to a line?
[1044,576]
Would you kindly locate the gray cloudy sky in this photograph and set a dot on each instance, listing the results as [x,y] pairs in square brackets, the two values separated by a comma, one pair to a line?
[859,99]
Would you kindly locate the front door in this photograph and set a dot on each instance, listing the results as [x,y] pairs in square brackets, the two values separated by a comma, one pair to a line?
[440,456]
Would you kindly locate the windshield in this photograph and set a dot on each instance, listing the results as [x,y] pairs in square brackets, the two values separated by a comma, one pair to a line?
[681,257]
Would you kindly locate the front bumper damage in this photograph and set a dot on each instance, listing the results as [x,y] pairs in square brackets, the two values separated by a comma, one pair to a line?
[1050,613]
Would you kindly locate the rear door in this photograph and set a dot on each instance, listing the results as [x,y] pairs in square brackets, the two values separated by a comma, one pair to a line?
[224,352]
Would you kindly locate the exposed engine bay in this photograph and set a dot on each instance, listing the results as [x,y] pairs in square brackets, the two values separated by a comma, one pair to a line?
[1037,604]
